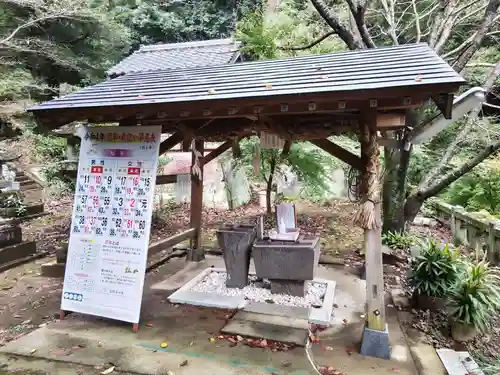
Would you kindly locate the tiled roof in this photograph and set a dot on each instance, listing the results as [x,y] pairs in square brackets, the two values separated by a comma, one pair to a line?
[411,66]
[178,55]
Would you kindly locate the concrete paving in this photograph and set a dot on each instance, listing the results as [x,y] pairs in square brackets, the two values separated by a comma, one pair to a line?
[92,343]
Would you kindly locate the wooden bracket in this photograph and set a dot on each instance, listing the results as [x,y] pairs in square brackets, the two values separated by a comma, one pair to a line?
[445,104]
[339,152]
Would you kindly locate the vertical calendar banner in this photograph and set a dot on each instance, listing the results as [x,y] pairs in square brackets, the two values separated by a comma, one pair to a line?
[111,221]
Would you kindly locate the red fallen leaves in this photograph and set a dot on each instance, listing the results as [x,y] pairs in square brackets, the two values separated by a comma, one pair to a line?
[314,339]
[348,351]
[317,328]
[323,370]
[256,343]
[328,348]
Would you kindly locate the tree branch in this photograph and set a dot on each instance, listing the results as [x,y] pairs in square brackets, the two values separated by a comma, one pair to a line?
[488,19]
[358,12]
[310,45]
[417,21]
[457,173]
[333,21]
[487,86]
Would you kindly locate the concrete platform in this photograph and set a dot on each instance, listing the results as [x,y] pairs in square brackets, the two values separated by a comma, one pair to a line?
[85,342]
[184,295]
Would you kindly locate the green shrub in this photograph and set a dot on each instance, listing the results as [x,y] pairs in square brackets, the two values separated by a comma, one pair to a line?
[475,296]
[48,147]
[435,270]
[398,240]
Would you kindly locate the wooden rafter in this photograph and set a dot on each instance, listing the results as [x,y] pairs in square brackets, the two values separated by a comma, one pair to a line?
[339,152]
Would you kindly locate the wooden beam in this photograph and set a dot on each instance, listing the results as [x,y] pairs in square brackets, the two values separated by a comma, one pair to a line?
[196,253]
[445,104]
[170,142]
[128,121]
[185,145]
[166,179]
[217,152]
[164,244]
[339,152]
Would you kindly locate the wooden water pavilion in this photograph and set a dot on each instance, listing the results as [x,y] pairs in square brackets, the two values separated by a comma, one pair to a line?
[309,98]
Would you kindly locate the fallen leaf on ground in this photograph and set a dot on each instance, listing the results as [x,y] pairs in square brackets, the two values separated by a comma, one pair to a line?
[149,324]
[239,338]
[286,363]
[329,348]
[108,371]
[348,351]
[183,363]
[33,351]
[26,321]
[211,339]
[163,344]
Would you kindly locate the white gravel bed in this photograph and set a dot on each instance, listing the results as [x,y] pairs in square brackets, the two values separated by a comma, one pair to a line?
[215,282]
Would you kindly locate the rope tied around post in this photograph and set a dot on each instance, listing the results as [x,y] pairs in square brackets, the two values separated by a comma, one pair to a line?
[366,216]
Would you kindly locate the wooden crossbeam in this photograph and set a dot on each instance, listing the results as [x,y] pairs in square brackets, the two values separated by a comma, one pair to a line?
[166,179]
[170,142]
[164,244]
[217,152]
[339,152]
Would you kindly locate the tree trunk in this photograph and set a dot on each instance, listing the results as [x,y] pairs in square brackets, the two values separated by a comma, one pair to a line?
[269,189]
[389,197]
[269,186]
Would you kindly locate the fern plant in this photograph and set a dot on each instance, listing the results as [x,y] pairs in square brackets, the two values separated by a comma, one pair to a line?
[435,270]
[398,240]
[475,296]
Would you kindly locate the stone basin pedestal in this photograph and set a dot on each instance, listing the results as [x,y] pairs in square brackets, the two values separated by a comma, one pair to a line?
[288,265]
[236,243]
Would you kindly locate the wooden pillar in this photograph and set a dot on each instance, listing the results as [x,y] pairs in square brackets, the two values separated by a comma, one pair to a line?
[196,252]
[368,217]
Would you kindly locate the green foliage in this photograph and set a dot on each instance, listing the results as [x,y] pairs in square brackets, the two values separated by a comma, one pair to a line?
[180,21]
[14,200]
[309,164]
[435,270]
[475,297]
[54,174]
[48,148]
[268,35]
[478,190]
[398,240]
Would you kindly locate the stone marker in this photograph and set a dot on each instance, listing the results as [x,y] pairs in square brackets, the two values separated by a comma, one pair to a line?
[10,235]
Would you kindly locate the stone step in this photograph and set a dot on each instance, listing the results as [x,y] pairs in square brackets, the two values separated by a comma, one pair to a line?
[22,178]
[31,186]
[26,182]
[262,330]
[10,235]
[17,251]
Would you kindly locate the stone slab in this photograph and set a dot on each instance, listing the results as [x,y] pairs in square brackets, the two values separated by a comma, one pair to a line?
[261,330]
[290,287]
[321,315]
[17,251]
[53,269]
[272,319]
[376,343]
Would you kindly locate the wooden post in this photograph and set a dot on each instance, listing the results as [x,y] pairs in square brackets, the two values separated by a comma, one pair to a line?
[492,258]
[369,219]
[196,253]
